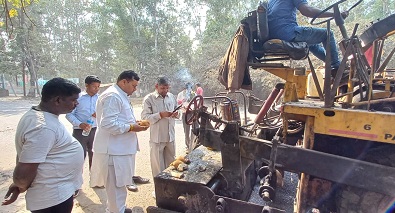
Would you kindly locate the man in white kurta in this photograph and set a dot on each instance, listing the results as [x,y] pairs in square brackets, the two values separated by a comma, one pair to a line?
[158,108]
[116,141]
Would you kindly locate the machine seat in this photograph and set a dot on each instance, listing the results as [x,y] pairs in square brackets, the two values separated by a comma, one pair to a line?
[277,47]
[262,48]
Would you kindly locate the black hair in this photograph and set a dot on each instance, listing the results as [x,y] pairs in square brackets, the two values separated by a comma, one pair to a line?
[188,85]
[198,84]
[128,75]
[58,87]
[91,79]
[163,81]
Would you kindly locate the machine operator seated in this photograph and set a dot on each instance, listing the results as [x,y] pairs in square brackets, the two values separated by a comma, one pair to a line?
[276,20]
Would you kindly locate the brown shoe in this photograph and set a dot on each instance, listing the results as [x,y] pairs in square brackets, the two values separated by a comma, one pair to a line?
[132,188]
[140,180]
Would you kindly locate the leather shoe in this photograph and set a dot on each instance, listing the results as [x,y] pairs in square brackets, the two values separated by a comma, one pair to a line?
[140,180]
[127,210]
[132,188]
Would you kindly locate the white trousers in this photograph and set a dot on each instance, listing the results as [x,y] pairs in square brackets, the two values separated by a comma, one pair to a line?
[120,173]
[99,169]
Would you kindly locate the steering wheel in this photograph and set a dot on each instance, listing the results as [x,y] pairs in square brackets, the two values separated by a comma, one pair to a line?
[337,14]
[191,113]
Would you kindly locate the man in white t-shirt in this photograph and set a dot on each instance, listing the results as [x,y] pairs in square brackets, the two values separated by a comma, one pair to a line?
[49,160]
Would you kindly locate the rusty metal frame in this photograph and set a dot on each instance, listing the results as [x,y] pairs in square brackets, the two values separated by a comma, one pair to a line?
[365,175]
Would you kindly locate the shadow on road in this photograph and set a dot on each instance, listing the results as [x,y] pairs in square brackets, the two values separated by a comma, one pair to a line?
[87,205]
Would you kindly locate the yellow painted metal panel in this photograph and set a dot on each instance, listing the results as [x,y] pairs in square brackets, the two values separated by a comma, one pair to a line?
[294,83]
[301,82]
[285,73]
[358,124]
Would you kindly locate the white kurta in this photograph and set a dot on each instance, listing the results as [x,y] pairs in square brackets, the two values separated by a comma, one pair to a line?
[114,115]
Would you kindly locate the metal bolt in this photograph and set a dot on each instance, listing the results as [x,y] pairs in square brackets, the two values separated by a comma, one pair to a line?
[266,196]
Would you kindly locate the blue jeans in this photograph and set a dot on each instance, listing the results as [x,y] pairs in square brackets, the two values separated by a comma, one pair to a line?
[316,40]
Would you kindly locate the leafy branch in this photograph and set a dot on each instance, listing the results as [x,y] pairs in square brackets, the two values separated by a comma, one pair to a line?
[10,11]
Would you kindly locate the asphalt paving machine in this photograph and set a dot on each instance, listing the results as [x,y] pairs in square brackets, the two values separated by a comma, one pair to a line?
[340,144]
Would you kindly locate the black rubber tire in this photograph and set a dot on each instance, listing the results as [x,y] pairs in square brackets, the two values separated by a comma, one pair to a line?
[356,200]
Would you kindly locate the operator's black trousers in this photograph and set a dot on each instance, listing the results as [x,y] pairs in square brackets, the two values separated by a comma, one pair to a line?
[86,142]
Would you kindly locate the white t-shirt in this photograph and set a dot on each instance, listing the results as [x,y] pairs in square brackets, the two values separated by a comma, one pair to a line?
[42,138]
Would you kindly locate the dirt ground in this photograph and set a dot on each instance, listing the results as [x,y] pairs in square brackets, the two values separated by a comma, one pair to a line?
[89,200]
